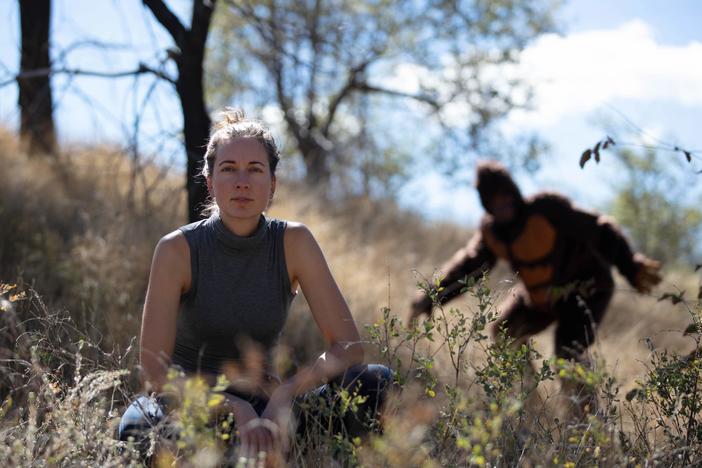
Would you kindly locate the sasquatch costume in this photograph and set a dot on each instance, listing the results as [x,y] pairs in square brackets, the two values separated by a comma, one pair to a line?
[561,254]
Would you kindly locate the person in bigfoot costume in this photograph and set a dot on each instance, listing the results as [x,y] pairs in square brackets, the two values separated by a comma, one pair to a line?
[562,255]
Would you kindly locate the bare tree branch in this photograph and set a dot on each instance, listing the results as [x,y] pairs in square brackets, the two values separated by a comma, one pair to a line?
[95,43]
[265,28]
[286,104]
[318,53]
[426,99]
[189,86]
[350,85]
[169,21]
[142,69]
[202,11]
[315,46]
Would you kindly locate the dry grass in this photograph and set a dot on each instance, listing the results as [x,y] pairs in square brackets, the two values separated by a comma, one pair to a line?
[81,230]
[74,228]
[378,253]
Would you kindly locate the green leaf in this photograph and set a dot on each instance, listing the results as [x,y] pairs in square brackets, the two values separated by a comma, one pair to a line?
[585,157]
[674,298]
[631,394]
[597,155]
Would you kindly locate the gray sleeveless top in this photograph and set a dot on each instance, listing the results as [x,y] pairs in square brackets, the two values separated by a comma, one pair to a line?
[240,293]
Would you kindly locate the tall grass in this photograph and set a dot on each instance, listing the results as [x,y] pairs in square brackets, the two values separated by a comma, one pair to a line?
[76,240]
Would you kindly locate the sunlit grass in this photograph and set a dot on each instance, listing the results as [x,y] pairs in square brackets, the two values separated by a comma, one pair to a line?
[76,242]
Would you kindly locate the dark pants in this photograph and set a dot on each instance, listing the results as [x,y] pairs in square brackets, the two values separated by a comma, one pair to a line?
[577,315]
[315,410]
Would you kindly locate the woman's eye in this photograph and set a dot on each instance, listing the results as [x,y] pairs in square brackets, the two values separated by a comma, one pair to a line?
[227,169]
[256,169]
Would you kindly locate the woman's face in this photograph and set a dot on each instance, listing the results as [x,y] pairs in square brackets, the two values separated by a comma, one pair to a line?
[241,180]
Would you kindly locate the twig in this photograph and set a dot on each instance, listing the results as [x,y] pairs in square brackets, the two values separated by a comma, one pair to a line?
[41,72]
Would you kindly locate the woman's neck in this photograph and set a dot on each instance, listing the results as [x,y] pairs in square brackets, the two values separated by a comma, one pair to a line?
[242,227]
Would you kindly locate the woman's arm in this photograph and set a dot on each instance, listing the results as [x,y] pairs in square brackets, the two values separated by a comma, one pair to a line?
[170,277]
[307,266]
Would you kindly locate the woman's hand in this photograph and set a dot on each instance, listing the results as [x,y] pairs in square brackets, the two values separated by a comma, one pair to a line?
[260,442]
[259,437]
[278,412]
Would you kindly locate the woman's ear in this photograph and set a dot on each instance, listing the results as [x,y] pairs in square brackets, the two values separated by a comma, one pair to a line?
[273,181]
[208,179]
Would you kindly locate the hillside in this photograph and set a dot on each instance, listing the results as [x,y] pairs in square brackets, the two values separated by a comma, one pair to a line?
[80,230]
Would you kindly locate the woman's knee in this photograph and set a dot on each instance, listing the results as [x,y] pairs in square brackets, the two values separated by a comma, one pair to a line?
[370,377]
[143,414]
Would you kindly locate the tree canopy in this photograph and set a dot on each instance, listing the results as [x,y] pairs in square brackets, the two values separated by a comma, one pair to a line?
[342,74]
[658,209]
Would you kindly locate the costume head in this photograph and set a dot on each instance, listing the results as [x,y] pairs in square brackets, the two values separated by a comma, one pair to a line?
[492,178]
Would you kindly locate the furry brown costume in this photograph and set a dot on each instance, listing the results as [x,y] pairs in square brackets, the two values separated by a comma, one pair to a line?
[563,256]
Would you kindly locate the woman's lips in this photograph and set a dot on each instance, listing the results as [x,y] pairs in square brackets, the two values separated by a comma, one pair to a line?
[242,199]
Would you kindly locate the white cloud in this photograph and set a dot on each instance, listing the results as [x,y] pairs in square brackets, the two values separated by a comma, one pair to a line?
[580,72]
[404,78]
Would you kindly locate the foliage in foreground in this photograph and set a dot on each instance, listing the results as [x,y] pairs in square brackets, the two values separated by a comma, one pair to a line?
[62,397]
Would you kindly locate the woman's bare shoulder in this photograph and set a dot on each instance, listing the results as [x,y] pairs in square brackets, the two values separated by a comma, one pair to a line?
[298,236]
[301,247]
[171,262]
[296,228]
[172,256]
[173,243]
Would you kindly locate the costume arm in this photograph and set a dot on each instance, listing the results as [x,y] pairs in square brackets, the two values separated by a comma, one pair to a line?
[603,233]
[472,260]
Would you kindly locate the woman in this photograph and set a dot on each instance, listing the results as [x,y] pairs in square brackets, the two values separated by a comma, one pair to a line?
[222,283]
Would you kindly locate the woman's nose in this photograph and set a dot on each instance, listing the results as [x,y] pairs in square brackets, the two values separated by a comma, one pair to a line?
[242,180]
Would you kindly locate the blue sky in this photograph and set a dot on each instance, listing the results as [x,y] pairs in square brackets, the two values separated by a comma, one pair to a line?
[642,58]
[676,22]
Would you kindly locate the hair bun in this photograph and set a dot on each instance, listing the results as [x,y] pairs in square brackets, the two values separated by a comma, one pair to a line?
[229,116]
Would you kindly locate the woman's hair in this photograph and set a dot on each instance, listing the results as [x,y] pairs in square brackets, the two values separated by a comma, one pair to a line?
[230,125]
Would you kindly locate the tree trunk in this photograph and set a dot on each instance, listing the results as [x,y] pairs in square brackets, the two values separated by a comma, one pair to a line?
[190,59]
[316,170]
[196,127]
[37,131]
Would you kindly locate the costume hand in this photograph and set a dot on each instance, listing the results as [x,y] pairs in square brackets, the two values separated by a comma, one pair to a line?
[421,304]
[647,275]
